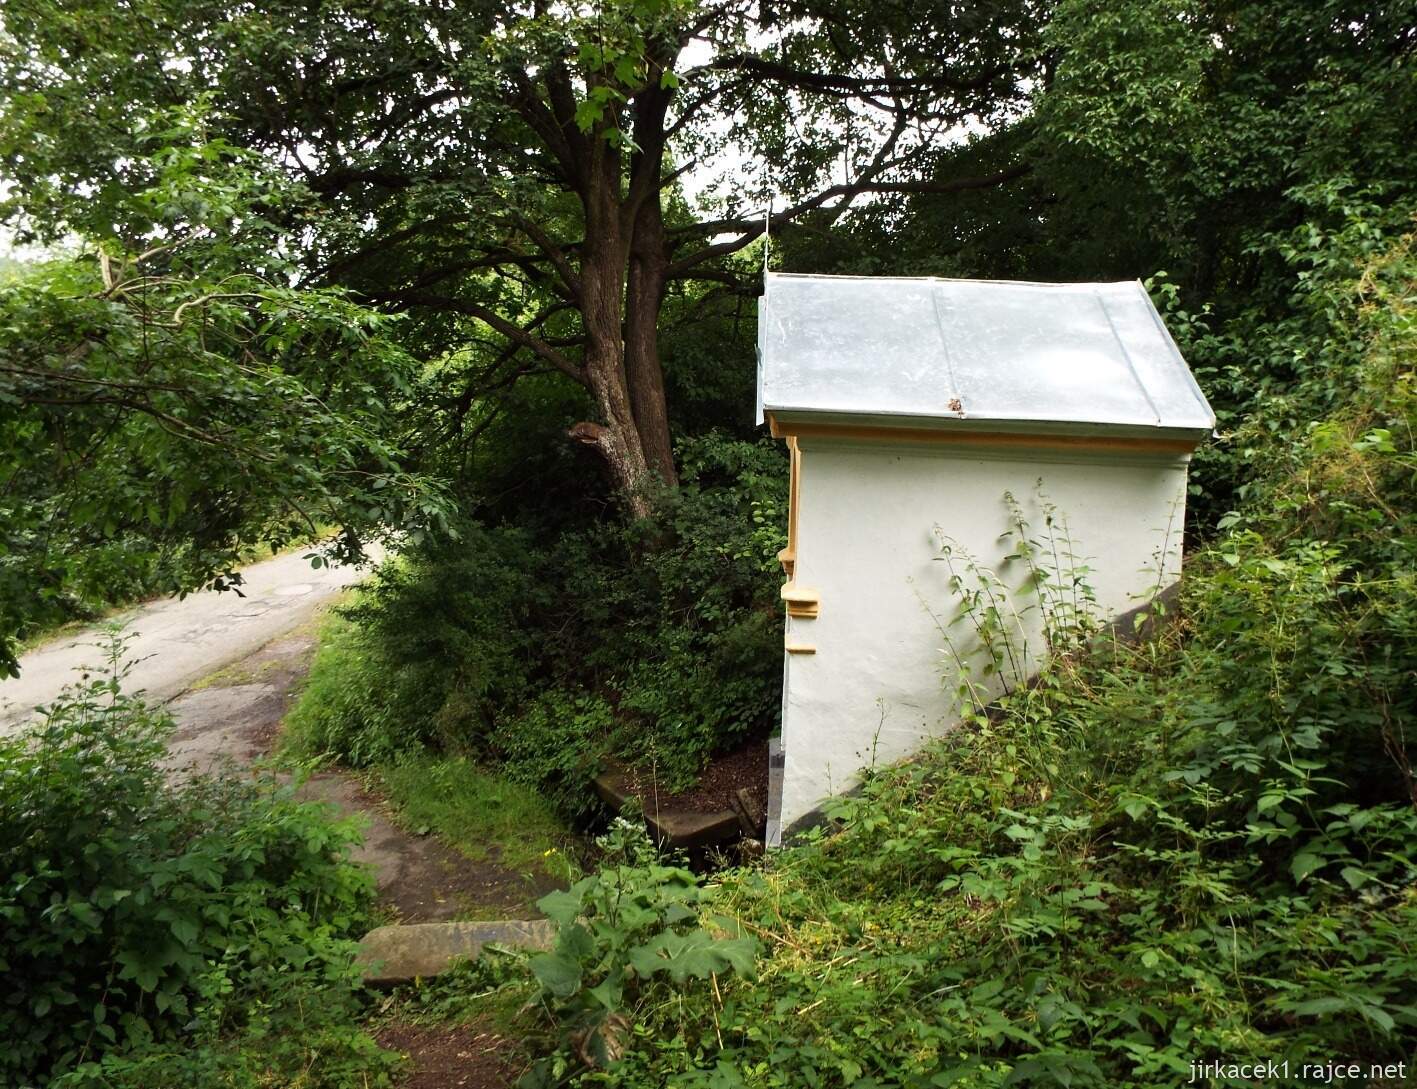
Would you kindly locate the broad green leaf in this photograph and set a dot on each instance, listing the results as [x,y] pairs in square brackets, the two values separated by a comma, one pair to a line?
[557,973]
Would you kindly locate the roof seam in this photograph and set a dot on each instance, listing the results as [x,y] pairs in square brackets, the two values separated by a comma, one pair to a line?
[1170,343]
[1131,365]
[956,397]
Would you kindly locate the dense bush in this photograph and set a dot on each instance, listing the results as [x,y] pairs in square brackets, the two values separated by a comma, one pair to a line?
[144,924]
[548,651]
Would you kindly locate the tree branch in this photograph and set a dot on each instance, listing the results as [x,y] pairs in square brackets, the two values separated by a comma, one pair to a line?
[554,253]
[543,122]
[508,329]
[752,228]
[855,85]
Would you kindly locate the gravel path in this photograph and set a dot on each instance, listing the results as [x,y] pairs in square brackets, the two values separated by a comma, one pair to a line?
[229,668]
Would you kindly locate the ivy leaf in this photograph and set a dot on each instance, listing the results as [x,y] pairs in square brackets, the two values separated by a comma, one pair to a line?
[610,991]
[185,931]
[588,113]
[696,954]
[576,942]
[1355,877]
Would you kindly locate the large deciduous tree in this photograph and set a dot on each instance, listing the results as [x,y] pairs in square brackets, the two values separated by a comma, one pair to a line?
[164,412]
[507,170]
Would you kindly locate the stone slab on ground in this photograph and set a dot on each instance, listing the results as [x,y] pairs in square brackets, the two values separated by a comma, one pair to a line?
[690,831]
[390,955]
[684,829]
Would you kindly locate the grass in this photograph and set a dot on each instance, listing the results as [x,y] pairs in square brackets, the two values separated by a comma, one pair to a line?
[483,815]
[238,673]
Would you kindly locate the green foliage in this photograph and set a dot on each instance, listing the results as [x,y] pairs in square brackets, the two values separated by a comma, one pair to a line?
[1195,848]
[1192,100]
[486,816]
[987,633]
[549,652]
[169,401]
[629,935]
[198,929]
[558,741]
[433,644]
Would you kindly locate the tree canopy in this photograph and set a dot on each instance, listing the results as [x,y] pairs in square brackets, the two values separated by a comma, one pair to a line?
[506,172]
[460,234]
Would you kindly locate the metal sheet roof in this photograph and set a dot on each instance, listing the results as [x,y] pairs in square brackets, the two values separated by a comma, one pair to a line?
[926,350]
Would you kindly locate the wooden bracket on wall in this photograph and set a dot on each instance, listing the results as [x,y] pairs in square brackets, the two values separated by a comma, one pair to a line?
[802,603]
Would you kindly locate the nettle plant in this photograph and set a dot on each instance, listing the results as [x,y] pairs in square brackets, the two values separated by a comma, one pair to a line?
[987,635]
[628,933]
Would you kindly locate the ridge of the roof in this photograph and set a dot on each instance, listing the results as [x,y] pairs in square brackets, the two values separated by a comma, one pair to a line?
[1049,284]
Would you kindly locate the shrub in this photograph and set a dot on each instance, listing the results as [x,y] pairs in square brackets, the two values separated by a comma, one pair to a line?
[625,934]
[556,743]
[552,652]
[435,643]
[135,911]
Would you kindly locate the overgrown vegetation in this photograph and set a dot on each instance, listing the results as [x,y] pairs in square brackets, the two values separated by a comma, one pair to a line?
[1192,849]
[630,935]
[160,933]
[486,817]
[369,267]
[548,652]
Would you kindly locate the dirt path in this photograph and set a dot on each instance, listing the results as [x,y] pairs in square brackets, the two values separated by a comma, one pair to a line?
[232,719]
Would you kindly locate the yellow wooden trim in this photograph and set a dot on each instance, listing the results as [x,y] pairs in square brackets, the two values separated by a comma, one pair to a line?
[801,602]
[798,648]
[788,556]
[949,437]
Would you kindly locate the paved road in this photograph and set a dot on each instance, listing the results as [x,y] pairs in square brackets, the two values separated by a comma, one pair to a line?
[179,641]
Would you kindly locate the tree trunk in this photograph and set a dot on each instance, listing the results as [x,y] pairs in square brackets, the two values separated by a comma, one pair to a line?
[649,263]
[617,439]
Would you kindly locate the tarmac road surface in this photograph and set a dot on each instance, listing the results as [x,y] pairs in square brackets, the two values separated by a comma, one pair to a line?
[176,642]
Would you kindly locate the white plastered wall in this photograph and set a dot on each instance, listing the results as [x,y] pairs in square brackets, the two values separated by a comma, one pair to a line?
[881,680]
